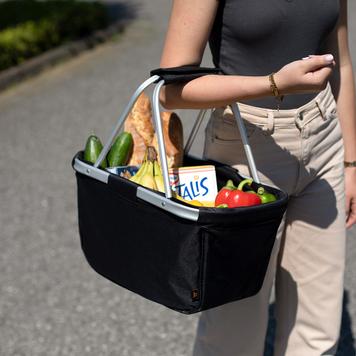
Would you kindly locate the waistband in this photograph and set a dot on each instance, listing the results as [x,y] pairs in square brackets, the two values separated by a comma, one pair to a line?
[323,104]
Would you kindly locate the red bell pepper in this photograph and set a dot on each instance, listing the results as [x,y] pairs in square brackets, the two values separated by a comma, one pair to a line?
[239,198]
[224,193]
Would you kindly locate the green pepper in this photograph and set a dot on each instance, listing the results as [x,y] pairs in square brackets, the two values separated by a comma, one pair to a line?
[265,196]
[243,183]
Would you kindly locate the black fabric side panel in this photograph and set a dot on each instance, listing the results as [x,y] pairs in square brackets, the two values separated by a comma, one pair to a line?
[139,246]
[236,262]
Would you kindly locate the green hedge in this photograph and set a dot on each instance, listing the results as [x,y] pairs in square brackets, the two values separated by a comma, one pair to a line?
[30,27]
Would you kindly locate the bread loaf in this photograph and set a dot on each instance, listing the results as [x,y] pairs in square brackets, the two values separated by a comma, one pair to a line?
[139,124]
[139,145]
[173,139]
[141,118]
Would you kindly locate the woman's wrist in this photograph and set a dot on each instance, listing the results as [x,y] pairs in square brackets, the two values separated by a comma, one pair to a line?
[276,92]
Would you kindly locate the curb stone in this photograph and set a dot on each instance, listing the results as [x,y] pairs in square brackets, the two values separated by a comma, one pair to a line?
[37,64]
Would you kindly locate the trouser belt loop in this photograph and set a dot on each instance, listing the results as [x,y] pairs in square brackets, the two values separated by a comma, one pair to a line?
[320,108]
[298,119]
[268,128]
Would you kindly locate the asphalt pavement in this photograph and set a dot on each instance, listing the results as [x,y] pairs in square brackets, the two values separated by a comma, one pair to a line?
[51,302]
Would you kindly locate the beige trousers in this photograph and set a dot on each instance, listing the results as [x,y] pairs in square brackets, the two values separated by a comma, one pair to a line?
[300,151]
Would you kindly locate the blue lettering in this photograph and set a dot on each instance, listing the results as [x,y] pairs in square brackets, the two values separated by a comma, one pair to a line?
[178,188]
[186,194]
[203,186]
[192,188]
[197,186]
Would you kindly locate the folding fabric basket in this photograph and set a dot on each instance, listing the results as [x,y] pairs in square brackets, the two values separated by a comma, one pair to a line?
[186,258]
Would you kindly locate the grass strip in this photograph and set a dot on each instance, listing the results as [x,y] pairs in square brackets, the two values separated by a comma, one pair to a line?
[30,27]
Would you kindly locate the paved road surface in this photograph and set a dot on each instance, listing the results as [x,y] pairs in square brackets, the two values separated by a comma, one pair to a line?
[51,303]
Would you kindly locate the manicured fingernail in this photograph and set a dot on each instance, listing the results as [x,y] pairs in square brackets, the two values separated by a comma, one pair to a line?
[304,58]
[329,58]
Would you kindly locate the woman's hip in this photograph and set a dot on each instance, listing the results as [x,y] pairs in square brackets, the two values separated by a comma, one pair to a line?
[300,143]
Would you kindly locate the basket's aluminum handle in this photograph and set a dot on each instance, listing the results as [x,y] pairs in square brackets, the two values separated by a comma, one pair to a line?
[242,130]
[161,144]
[143,193]
[244,138]
[160,138]
[122,118]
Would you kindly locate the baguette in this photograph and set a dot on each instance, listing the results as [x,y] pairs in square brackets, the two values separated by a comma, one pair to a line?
[173,139]
[139,145]
[141,118]
[139,124]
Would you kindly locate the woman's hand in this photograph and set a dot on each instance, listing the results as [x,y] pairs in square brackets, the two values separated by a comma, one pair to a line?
[308,75]
[350,190]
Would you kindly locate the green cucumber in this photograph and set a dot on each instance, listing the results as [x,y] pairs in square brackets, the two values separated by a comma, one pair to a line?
[120,151]
[92,150]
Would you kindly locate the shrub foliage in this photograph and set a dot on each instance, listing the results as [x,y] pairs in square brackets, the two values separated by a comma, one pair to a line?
[30,27]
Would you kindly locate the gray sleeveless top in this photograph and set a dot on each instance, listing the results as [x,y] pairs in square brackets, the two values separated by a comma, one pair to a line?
[257,37]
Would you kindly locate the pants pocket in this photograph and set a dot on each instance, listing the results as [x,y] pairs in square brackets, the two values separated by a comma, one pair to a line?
[223,139]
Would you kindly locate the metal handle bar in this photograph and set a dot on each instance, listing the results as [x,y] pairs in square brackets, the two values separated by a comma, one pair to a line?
[242,130]
[122,118]
[160,136]
[162,151]
[244,138]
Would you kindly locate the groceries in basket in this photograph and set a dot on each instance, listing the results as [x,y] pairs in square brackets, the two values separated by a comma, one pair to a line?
[150,175]
[116,159]
[92,150]
[139,124]
[231,196]
[195,184]
[128,150]
[121,150]
[192,185]
[134,155]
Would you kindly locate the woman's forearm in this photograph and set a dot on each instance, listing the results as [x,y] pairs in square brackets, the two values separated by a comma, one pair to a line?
[213,91]
[343,86]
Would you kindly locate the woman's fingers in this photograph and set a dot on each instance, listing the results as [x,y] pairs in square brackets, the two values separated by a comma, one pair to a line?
[318,78]
[350,195]
[307,75]
[318,69]
[313,63]
[351,212]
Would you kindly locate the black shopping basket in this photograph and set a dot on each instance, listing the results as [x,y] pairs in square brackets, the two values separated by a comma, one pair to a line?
[186,258]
